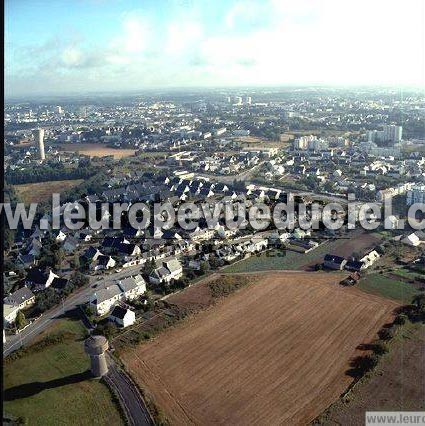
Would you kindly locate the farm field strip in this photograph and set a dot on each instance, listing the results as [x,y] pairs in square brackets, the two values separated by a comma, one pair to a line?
[42,191]
[97,150]
[275,352]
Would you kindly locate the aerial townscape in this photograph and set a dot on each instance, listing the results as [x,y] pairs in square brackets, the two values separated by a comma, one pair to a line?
[211,254]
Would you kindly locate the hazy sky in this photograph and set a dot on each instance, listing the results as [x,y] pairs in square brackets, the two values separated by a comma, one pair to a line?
[65,46]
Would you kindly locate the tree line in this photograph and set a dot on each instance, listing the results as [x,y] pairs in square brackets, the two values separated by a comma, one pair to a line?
[48,172]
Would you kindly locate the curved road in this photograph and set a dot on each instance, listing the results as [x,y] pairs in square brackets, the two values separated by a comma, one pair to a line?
[128,394]
[14,342]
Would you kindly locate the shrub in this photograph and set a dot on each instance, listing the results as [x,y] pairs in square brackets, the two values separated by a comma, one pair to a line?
[386,333]
[400,319]
[109,330]
[381,348]
[363,364]
[224,286]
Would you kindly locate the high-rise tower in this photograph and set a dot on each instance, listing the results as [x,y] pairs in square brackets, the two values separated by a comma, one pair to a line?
[39,140]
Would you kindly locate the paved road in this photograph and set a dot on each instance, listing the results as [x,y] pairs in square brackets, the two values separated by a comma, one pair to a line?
[26,336]
[30,332]
[128,393]
[130,398]
[243,176]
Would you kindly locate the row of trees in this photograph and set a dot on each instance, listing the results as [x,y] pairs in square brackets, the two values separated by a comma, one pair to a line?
[49,172]
[414,312]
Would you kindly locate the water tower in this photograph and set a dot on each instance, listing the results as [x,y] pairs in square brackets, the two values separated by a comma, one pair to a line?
[95,347]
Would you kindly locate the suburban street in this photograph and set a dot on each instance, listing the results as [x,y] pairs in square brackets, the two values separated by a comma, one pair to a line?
[26,336]
[229,179]
[129,396]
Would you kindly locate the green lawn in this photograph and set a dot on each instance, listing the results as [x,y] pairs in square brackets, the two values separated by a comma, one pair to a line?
[284,260]
[48,386]
[154,154]
[405,273]
[269,260]
[387,287]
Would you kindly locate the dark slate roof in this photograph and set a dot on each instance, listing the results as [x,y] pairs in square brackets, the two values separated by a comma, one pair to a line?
[354,265]
[114,193]
[126,248]
[19,296]
[103,259]
[59,283]
[90,252]
[111,241]
[334,259]
[130,232]
[36,276]
[26,259]
[205,191]
[118,312]
[71,241]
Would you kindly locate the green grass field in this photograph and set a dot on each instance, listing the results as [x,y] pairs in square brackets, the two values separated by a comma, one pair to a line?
[269,260]
[405,273]
[387,287]
[284,260]
[153,154]
[50,386]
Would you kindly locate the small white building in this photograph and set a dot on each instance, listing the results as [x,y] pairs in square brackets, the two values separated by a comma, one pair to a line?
[411,240]
[122,316]
[370,258]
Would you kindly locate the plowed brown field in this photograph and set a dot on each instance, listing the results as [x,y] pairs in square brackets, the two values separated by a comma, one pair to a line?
[275,352]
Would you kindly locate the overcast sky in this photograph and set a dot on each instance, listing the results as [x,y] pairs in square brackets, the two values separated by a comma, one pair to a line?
[66,46]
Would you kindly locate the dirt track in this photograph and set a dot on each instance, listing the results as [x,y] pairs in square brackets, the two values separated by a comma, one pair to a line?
[276,352]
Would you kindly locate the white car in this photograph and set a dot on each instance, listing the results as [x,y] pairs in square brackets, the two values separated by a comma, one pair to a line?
[118,270]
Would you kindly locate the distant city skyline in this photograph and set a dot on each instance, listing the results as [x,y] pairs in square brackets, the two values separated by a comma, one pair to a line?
[65,47]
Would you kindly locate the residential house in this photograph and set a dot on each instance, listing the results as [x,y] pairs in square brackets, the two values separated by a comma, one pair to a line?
[170,270]
[175,268]
[129,250]
[103,262]
[26,260]
[202,234]
[354,265]
[22,298]
[258,243]
[227,253]
[86,234]
[35,247]
[70,244]
[127,289]
[334,262]
[59,284]
[411,240]
[104,298]
[370,258]
[39,280]
[133,287]
[91,254]
[61,236]
[122,316]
